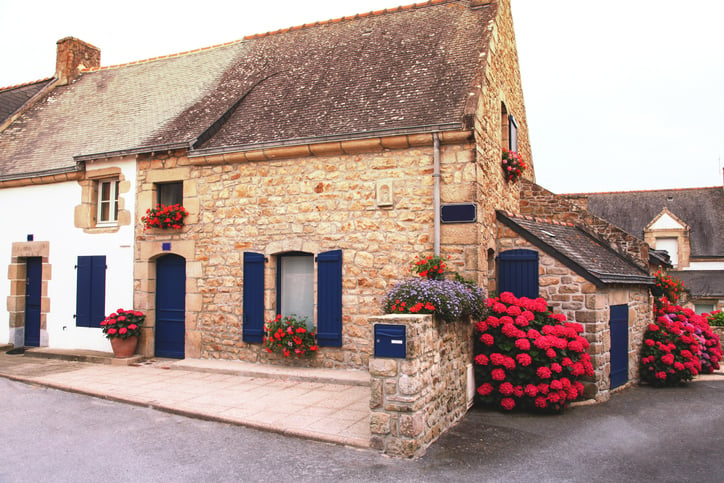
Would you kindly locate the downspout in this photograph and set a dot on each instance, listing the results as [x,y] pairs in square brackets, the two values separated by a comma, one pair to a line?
[436,191]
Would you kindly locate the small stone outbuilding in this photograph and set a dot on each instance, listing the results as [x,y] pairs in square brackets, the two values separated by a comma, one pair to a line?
[579,275]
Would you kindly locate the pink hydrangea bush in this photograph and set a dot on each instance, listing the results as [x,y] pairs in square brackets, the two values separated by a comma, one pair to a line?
[677,347]
[527,357]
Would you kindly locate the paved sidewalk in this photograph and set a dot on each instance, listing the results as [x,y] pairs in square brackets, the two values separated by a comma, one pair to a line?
[319,404]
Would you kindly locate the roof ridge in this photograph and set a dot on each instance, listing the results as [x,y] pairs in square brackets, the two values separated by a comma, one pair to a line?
[413,6]
[348,18]
[25,84]
[160,57]
[639,191]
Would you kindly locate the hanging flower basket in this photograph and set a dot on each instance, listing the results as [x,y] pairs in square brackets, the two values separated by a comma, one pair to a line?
[513,165]
[164,217]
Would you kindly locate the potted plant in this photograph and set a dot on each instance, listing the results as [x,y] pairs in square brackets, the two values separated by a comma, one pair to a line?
[122,328]
[289,336]
[513,165]
[164,217]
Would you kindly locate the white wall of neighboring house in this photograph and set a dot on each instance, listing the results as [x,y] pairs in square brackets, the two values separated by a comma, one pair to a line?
[47,212]
[705,266]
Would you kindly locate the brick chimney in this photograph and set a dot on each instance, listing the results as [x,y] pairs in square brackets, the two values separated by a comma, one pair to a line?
[73,56]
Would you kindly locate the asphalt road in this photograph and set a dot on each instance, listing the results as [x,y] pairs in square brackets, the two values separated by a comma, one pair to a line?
[642,434]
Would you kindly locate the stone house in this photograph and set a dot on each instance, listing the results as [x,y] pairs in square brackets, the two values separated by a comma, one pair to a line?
[313,166]
[315,163]
[688,224]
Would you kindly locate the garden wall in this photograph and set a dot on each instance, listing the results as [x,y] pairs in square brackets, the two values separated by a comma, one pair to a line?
[415,400]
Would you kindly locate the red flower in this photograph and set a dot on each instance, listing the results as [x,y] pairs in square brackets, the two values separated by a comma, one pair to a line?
[522,344]
[485,389]
[524,359]
[497,374]
[481,359]
[507,403]
[543,372]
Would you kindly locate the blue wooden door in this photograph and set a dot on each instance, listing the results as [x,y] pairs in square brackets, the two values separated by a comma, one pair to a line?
[619,345]
[170,306]
[33,289]
[518,273]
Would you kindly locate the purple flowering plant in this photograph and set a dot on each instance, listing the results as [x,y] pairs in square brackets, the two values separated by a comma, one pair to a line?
[449,300]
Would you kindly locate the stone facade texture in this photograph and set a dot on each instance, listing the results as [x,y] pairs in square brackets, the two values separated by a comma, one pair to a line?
[538,202]
[371,198]
[581,301]
[415,400]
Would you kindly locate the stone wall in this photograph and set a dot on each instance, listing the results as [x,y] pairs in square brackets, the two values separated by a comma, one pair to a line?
[538,202]
[311,204]
[416,399]
[498,85]
[581,301]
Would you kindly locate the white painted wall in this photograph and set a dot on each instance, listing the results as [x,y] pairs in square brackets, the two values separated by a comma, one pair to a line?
[666,222]
[705,266]
[47,212]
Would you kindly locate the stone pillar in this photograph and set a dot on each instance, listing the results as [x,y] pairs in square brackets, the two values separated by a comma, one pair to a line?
[416,399]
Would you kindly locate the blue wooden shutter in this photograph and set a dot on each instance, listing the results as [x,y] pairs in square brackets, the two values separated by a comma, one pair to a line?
[329,299]
[253,329]
[518,273]
[90,305]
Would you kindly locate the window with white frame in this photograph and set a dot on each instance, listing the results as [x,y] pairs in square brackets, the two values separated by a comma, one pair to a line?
[671,245]
[107,202]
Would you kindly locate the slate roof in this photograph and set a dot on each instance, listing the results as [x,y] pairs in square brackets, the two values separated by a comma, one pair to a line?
[702,283]
[409,69]
[700,208]
[580,251]
[12,98]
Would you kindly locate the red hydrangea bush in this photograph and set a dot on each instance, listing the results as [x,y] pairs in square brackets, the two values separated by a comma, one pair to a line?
[677,347]
[527,357]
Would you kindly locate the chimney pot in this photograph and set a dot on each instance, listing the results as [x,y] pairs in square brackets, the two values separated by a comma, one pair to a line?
[73,55]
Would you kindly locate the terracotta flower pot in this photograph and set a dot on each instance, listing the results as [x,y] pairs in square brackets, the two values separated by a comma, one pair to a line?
[123,348]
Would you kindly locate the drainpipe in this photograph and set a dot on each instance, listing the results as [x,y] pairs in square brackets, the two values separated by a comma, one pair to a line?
[436,191]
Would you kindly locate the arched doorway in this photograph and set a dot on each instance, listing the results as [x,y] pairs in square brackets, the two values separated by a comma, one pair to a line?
[170,306]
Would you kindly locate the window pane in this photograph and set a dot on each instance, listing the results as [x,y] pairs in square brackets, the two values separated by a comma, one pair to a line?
[107,201]
[115,201]
[297,286]
[671,245]
[171,193]
[513,133]
[703,308]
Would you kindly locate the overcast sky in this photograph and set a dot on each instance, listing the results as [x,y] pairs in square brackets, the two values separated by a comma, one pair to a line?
[620,95]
